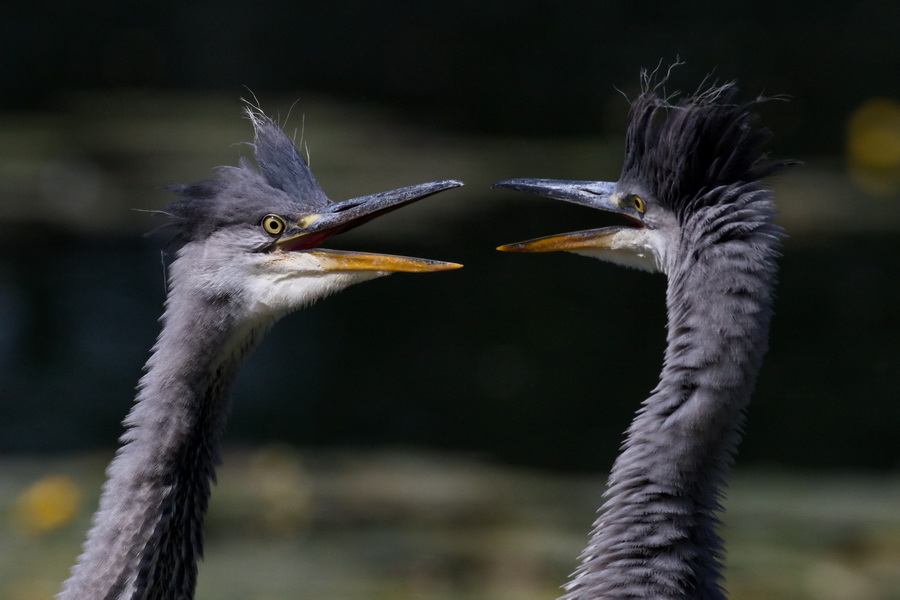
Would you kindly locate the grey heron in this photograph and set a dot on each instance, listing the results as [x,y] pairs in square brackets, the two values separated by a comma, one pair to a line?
[695,209]
[249,254]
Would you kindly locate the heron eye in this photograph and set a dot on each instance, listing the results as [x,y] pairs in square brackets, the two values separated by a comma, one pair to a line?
[273,224]
[639,204]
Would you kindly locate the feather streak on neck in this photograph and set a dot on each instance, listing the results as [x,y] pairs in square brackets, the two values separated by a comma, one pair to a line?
[155,498]
[656,534]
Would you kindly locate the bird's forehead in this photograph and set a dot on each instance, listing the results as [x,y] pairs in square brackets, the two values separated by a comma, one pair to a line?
[625,192]
[269,201]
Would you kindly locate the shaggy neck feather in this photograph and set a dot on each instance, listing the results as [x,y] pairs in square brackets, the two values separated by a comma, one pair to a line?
[656,534]
[148,532]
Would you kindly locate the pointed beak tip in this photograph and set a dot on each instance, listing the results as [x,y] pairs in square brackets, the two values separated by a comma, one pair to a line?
[446,184]
[424,190]
[426,266]
[447,266]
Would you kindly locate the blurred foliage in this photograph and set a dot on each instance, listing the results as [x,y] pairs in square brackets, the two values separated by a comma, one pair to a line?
[424,526]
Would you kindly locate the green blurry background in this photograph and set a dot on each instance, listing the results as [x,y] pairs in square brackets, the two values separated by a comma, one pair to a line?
[443,436]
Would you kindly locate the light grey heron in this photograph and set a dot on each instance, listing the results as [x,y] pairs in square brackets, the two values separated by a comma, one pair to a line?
[250,253]
[696,210]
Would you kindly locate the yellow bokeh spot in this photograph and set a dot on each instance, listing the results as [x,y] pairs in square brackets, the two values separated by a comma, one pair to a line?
[873,145]
[47,504]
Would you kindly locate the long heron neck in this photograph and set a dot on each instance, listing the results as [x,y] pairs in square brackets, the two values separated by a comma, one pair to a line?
[655,537]
[148,532]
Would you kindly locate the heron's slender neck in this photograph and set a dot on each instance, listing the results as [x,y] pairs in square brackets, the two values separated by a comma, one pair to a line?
[656,534]
[148,532]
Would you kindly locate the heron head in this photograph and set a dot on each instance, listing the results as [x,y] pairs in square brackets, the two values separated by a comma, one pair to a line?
[255,234]
[687,165]
[639,242]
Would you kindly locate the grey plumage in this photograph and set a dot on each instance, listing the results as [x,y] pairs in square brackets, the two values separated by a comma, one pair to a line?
[249,253]
[690,188]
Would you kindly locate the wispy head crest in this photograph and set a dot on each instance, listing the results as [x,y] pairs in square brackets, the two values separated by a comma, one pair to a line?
[678,147]
[281,183]
[654,82]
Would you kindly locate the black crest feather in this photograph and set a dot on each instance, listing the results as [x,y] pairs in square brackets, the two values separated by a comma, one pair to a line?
[681,149]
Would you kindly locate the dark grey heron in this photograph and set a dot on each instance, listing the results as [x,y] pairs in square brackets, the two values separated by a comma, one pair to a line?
[250,253]
[696,210]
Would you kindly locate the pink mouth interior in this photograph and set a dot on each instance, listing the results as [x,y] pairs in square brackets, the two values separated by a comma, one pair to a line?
[305,242]
[636,222]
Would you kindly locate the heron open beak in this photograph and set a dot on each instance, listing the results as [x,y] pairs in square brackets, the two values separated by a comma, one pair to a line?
[340,260]
[312,230]
[624,244]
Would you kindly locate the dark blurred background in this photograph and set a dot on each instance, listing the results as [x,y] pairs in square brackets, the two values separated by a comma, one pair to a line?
[535,360]
[526,361]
